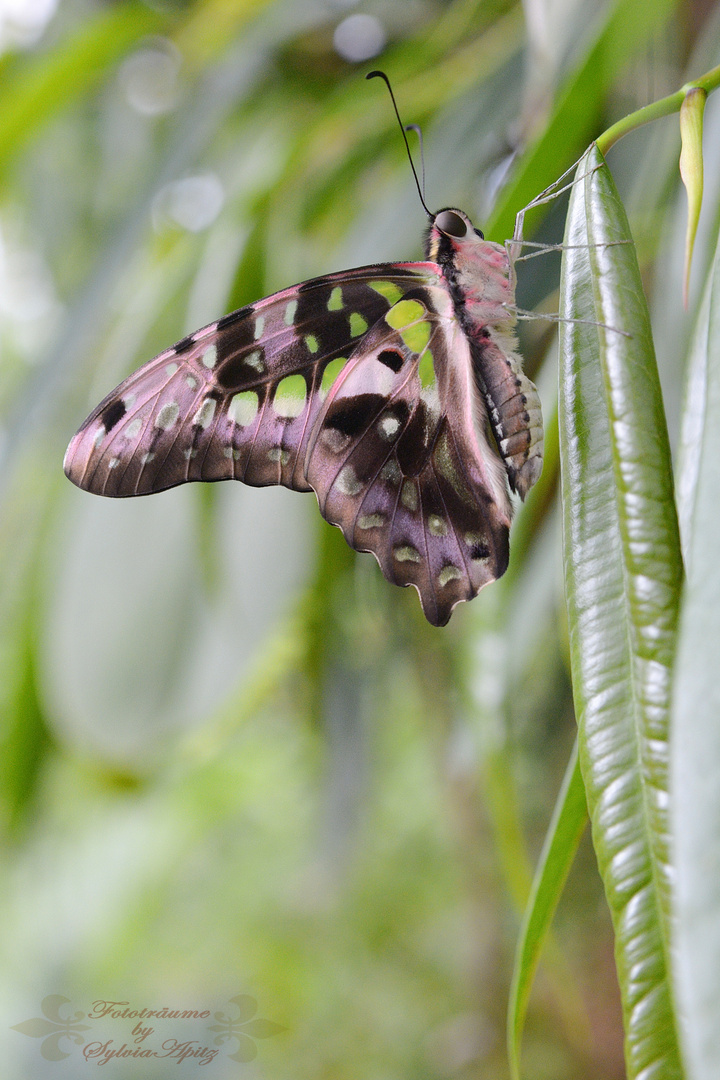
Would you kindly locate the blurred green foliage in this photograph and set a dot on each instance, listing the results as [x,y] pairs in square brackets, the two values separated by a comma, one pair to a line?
[234,759]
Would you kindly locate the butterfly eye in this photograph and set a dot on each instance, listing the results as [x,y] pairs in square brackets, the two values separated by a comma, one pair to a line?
[451,223]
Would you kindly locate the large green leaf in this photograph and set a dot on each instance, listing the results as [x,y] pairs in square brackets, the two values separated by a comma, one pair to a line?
[623,577]
[696,706]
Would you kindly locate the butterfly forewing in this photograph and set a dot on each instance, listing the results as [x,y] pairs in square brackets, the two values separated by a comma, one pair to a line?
[237,399]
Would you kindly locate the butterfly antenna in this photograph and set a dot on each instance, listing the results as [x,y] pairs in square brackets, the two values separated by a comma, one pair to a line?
[383,76]
[418,131]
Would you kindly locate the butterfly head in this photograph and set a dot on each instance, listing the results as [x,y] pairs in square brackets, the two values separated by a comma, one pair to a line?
[450,232]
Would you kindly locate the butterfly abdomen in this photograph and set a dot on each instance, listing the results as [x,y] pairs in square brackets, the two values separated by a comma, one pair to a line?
[513,409]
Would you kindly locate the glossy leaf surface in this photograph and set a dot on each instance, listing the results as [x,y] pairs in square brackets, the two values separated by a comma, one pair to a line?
[623,576]
[696,735]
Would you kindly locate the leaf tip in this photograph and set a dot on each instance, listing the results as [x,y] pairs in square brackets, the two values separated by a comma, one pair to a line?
[691,169]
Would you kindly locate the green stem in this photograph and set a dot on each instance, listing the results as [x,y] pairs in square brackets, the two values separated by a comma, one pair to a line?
[665,107]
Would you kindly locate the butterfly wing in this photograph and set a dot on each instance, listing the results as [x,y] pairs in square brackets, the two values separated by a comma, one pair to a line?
[239,398]
[357,385]
[400,459]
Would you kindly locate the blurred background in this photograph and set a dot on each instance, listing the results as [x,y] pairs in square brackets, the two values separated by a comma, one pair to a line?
[240,774]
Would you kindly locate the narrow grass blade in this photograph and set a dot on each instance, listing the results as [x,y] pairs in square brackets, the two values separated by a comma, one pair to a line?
[563,836]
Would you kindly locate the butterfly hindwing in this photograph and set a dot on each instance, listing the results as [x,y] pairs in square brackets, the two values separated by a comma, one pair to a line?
[237,399]
[391,471]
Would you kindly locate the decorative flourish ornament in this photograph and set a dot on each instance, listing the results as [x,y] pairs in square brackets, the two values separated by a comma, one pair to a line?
[393,391]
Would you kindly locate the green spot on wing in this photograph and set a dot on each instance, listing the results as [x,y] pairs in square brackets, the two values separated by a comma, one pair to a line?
[449,573]
[203,416]
[370,521]
[209,357]
[243,408]
[291,386]
[290,394]
[406,553]
[416,337]
[347,481]
[388,289]
[312,343]
[426,369]
[404,313]
[358,325]
[254,360]
[335,303]
[331,373]
[167,416]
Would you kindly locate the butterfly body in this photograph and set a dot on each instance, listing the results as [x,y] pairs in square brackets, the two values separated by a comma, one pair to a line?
[393,391]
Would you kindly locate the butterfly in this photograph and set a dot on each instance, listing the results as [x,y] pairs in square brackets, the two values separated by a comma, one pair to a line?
[393,391]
